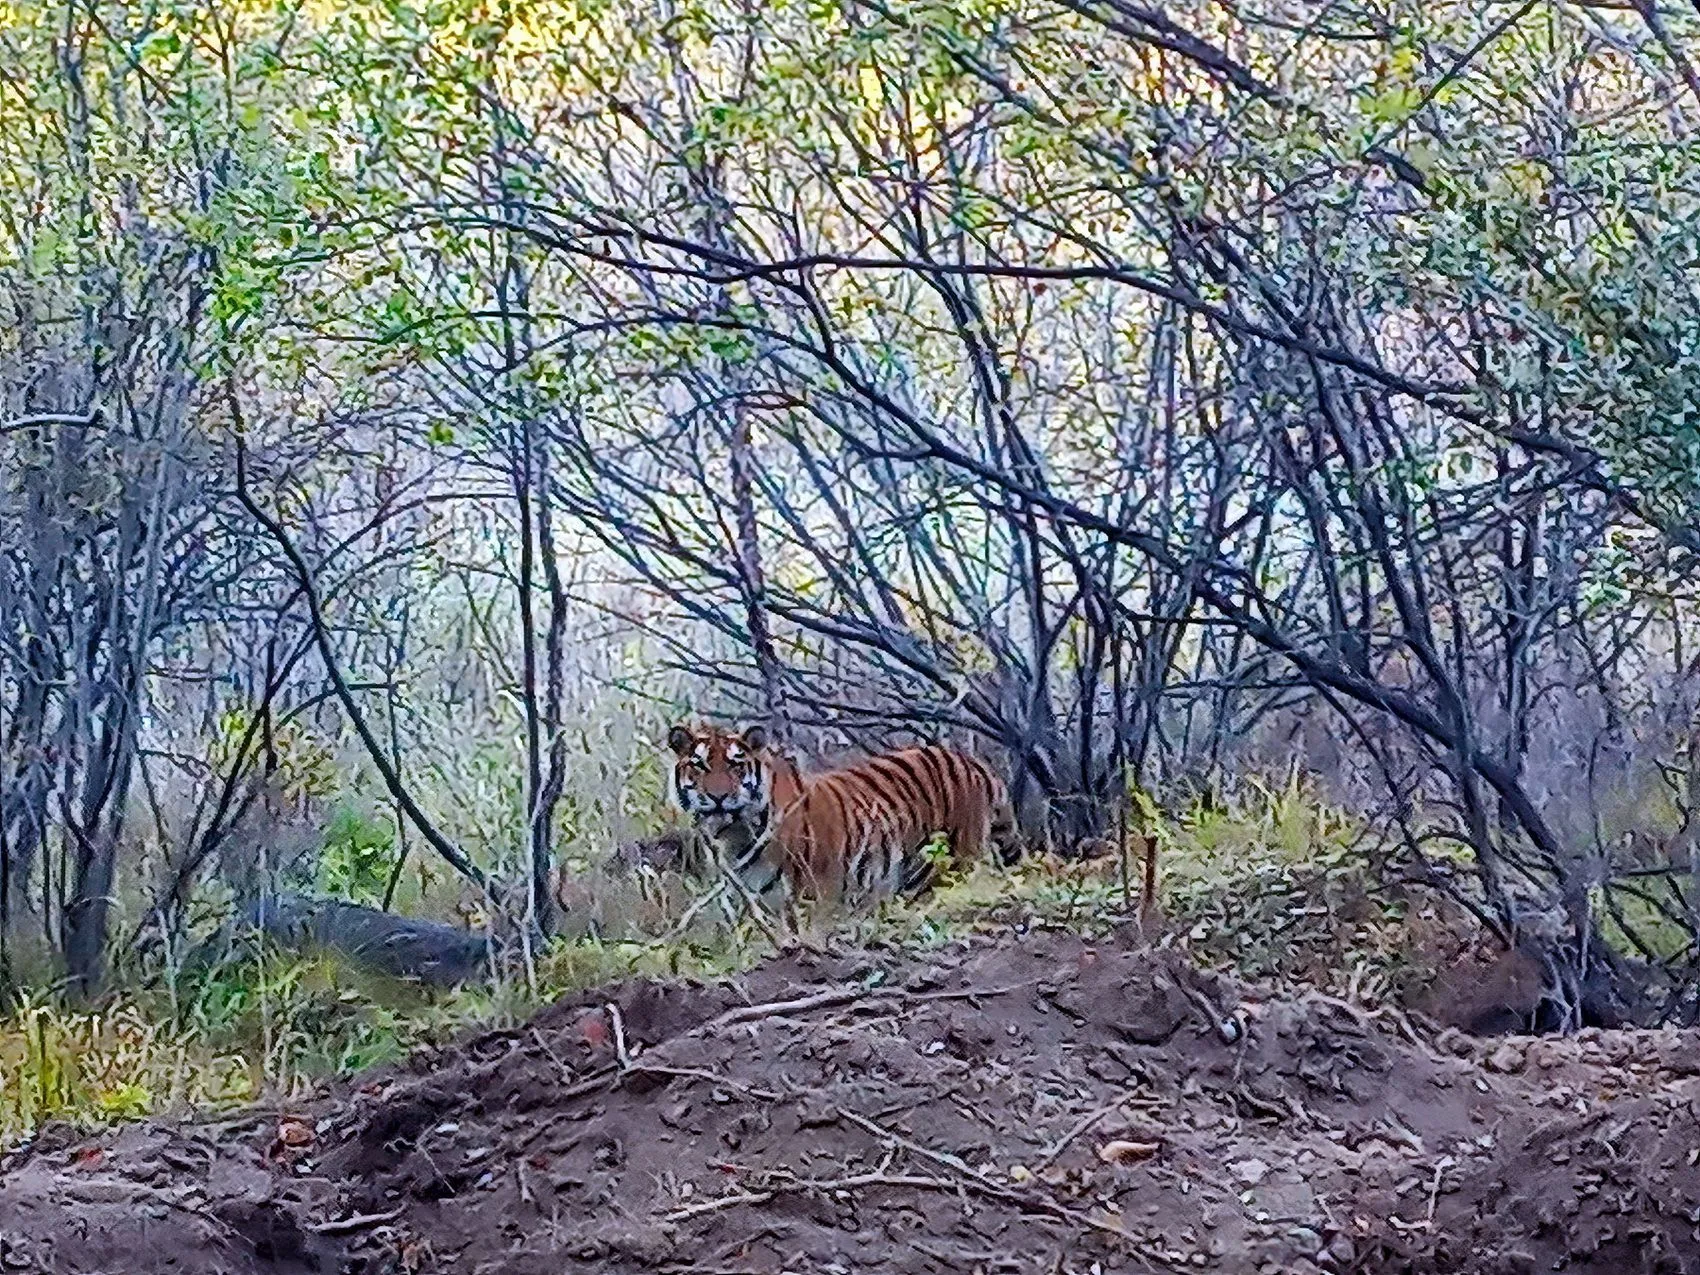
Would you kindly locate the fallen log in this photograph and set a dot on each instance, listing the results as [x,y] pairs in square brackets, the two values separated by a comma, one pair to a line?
[405,947]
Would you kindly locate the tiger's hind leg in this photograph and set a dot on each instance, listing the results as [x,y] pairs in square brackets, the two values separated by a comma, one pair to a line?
[918,872]
[1004,836]
[985,828]
[990,826]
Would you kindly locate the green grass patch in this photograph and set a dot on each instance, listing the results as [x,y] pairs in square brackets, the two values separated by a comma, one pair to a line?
[278,1026]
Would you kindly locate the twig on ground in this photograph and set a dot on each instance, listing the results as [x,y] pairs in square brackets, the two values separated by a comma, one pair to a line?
[590,1084]
[525,1192]
[223,1128]
[965,993]
[794,1185]
[699,1073]
[926,1153]
[776,1009]
[853,995]
[618,1024]
[596,1082]
[965,1259]
[359,1222]
[1440,1167]
[1063,1143]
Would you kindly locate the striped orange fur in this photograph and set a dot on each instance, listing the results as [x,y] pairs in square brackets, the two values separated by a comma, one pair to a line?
[850,835]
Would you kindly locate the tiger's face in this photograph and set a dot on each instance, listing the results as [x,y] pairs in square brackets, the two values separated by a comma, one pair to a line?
[720,777]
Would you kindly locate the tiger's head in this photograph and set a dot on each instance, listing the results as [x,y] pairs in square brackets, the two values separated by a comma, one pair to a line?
[721,777]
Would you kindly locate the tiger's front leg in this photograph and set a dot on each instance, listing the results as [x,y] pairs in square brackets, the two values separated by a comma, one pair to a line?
[787,908]
[801,921]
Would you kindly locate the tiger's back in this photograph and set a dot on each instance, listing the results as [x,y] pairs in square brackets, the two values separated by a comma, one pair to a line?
[862,832]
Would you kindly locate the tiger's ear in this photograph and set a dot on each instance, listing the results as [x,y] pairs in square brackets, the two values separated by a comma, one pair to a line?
[755,738]
[681,740]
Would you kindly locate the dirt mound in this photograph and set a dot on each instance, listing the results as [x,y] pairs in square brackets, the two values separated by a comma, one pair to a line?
[1035,1103]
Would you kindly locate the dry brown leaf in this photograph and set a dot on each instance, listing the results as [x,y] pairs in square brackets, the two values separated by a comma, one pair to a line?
[593,1028]
[294,1133]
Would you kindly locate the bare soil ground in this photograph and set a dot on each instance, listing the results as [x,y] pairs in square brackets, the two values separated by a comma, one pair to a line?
[1033,1103]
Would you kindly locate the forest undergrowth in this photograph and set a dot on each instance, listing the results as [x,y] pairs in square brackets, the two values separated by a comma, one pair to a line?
[1273,885]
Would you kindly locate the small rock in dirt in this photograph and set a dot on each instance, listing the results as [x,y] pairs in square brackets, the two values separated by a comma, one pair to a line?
[1508,1059]
[1455,1043]
[1305,1239]
[17,1255]
[1153,1013]
[1250,1172]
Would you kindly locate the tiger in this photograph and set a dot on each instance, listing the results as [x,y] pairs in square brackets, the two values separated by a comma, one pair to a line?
[846,836]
